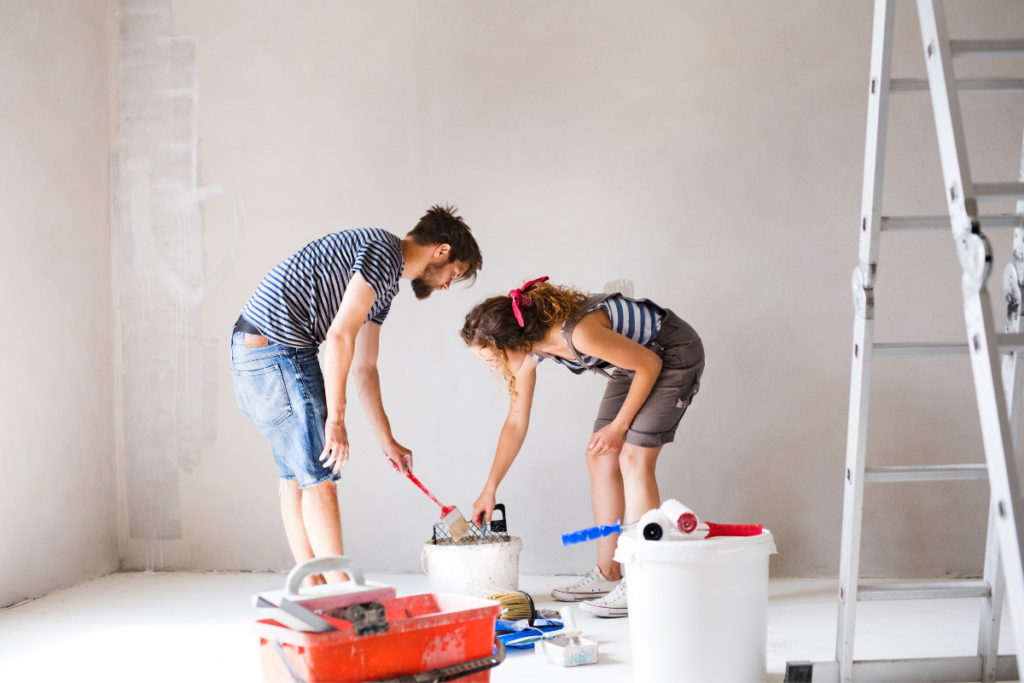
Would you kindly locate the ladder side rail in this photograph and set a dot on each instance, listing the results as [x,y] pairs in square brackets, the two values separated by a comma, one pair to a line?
[975,258]
[1013,376]
[991,614]
[864,325]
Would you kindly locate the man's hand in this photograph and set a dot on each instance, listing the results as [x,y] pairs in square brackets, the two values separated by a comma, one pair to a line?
[335,446]
[607,440]
[399,455]
[483,508]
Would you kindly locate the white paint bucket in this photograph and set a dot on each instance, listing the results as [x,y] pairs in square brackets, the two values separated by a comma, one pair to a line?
[698,610]
[474,570]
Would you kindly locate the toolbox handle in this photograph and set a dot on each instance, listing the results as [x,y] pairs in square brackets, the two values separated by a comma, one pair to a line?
[319,565]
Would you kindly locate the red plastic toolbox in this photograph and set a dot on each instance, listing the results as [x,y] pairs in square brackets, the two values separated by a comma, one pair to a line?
[425,632]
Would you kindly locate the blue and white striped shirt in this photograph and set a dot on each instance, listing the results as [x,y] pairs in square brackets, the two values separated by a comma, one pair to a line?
[297,301]
[638,320]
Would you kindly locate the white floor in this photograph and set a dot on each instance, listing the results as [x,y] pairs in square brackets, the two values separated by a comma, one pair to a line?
[195,627]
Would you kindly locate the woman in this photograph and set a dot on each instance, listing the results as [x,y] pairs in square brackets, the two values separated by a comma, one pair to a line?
[656,361]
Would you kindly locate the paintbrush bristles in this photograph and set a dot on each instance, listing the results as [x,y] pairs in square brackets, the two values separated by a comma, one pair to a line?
[514,604]
[458,528]
[457,524]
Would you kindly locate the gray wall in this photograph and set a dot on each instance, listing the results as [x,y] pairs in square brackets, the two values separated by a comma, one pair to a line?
[57,494]
[709,152]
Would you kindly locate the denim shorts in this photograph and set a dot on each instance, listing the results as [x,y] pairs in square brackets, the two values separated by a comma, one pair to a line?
[281,389]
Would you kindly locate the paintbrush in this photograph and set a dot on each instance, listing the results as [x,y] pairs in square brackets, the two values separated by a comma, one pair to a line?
[515,605]
[450,516]
[456,523]
[550,635]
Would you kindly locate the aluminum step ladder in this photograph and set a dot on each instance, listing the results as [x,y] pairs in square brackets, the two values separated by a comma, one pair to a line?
[998,376]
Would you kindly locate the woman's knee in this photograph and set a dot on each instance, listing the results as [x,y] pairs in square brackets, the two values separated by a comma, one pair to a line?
[598,464]
[637,461]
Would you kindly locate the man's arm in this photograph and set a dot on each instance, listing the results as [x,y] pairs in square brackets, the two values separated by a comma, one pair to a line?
[364,369]
[339,349]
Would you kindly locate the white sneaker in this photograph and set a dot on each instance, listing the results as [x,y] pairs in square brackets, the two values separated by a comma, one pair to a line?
[593,585]
[611,605]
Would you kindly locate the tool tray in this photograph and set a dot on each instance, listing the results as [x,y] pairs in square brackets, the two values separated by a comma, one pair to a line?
[431,637]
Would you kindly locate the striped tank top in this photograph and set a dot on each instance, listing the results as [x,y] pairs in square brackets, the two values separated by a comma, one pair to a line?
[635,319]
[296,302]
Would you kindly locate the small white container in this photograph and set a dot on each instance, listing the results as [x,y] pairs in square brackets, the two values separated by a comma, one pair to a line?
[698,609]
[473,570]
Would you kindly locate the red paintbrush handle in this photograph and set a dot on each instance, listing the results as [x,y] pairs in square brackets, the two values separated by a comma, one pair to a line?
[733,530]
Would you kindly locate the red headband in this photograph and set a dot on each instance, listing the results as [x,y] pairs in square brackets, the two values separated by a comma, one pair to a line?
[521,298]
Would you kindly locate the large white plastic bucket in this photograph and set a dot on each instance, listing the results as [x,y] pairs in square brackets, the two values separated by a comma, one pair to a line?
[698,610]
[473,570]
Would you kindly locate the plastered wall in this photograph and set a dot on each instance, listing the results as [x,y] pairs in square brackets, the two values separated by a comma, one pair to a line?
[58,500]
[709,152]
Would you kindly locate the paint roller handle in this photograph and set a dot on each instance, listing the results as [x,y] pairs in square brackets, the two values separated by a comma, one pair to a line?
[591,534]
[733,529]
[319,565]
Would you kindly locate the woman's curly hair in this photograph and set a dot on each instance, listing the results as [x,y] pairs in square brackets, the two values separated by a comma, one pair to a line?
[493,325]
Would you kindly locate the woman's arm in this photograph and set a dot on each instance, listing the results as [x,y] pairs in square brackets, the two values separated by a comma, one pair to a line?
[594,339]
[513,433]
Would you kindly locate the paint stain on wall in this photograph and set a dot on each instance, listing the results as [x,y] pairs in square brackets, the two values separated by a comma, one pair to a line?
[623,287]
[168,371]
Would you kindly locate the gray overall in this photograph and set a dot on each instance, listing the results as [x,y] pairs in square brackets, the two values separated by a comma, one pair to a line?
[682,357]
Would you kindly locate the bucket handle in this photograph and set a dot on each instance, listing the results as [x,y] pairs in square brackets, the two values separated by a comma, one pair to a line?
[500,525]
[319,565]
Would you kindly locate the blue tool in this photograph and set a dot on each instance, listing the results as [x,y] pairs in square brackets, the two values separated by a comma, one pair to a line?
[593,533]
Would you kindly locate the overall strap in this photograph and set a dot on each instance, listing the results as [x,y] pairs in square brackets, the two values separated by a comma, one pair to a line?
[590,304]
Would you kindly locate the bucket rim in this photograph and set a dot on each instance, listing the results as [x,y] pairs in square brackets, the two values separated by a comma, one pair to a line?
[512,542]
[632,548]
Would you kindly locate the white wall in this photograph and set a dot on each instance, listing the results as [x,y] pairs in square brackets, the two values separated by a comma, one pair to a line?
[710,152]
[57,494]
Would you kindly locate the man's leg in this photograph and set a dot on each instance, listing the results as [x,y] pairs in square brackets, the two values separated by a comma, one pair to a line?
[294,529]
[322,523]
[606,498]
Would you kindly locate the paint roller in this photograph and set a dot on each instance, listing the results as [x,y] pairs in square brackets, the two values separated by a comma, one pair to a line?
[683,517]
[661,523]
[657,524]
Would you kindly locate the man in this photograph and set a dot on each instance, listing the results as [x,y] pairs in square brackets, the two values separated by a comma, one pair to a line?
[336,291]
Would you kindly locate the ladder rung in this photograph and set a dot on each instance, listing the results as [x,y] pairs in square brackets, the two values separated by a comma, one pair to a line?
[901,349]
[897,223]
[987,48]
[925,473]
[900,85]
[997,191]
[1007,343]
[924,591]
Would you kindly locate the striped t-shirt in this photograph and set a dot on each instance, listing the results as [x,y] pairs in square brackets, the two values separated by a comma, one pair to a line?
[634,319]
[296,302]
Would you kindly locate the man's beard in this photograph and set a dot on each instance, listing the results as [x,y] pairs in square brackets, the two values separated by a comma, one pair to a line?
[424,285]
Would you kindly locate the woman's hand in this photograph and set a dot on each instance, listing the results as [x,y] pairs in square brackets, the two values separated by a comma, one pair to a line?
[607,440]
[483,508]
[335,446]
[399,455]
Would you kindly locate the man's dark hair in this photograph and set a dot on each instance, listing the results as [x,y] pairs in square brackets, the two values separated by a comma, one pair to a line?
[440,225]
